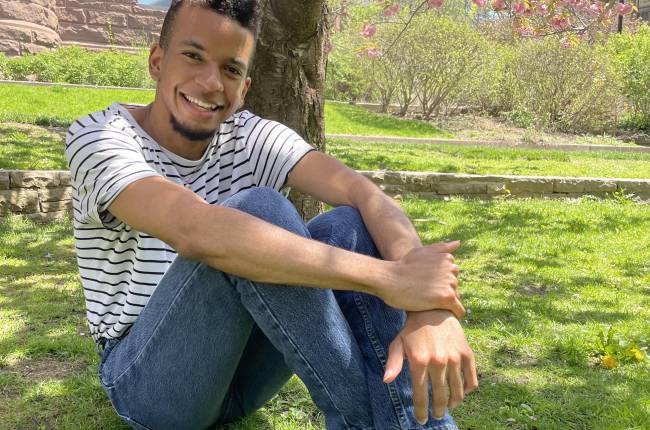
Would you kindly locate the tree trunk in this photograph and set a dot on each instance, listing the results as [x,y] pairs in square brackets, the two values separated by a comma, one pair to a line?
[288,74]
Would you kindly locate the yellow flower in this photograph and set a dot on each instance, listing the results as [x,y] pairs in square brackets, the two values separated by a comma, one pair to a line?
[609,362]
[638,354]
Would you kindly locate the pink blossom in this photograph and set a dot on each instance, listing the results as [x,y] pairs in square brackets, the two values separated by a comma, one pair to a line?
[498,5]
[566,43]
[435,3]
[392,10]
[372,52]
[369,30]
[624,8]
[543,9]
[595,9]
[480,3]
[518,7]
[559,22]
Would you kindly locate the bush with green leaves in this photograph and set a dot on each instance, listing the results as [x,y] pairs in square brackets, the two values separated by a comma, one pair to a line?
[630,54]
[75,65]
[545,84]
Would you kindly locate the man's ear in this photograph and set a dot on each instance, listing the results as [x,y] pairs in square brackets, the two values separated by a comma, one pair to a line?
[155,58]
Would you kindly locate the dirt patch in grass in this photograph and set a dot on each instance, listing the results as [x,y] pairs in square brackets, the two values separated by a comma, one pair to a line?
[40,369]
[486,128]
[536,290]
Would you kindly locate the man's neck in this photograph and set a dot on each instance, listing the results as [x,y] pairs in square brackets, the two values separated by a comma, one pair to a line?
[160,128]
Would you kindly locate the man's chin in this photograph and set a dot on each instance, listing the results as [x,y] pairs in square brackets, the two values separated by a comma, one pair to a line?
[189,133]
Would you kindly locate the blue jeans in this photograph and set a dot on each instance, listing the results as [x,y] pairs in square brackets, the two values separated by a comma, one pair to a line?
[210,348]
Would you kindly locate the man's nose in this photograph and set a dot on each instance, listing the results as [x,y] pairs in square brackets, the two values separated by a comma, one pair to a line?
[210,79]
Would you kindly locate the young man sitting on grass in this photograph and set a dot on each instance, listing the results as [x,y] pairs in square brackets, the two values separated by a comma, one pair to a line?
[205,290]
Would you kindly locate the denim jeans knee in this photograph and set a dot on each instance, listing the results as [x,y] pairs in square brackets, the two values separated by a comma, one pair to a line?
[268,205]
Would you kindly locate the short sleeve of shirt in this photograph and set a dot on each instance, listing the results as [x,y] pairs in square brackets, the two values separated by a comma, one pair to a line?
[102,162]
[274,150]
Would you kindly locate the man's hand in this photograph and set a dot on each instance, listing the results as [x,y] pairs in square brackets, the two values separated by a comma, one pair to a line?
[436,348]
[426,279]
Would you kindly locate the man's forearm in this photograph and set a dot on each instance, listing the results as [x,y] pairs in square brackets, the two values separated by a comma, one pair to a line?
[251,248]
[390,228]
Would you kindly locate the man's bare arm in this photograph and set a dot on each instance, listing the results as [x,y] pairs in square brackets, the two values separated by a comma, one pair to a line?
[433,341]
[240,244]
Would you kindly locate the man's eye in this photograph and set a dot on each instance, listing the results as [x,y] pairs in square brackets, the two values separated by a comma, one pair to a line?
[234,71]
[192,56]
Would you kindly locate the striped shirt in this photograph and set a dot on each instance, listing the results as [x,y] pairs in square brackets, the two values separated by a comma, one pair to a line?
[106,151]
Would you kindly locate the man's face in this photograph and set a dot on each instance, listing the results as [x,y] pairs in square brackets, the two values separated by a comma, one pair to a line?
[202,73]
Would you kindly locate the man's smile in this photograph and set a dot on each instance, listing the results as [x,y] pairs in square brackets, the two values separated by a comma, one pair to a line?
[201,105]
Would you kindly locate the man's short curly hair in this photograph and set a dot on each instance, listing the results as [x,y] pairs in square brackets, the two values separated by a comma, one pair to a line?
[245,12]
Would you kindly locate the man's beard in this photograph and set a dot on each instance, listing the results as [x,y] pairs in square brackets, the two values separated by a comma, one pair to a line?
[189,134]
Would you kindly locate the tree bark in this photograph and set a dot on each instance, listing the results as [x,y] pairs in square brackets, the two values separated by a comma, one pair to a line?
[288,74]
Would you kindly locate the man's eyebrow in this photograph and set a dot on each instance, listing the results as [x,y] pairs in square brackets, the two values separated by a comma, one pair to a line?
[239,62]
[193,44]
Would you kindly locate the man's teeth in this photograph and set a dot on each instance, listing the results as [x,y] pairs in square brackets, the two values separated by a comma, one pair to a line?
[199,103]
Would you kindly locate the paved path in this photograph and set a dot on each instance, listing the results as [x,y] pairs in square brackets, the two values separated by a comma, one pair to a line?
[493,144]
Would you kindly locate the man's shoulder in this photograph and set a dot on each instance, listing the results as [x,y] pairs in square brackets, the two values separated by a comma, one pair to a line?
[111,118]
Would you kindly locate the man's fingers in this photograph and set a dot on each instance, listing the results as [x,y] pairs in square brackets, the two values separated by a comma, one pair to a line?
[469,373]
[439,389]
[395,360]
[455,269]
[420,382]
[457,308]
[445,246]
[455,381]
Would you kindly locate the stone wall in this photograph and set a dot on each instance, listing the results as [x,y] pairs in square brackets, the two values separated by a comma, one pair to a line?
[39,195]
[47,195]
[440,185]
[28,26]
[98,24]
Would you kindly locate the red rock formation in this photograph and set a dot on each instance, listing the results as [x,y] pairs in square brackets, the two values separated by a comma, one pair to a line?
[33,25]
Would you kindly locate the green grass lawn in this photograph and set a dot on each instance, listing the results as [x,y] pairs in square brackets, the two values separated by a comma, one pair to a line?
[540,278]
[25,146]
[485,160]
[343,118]
[59,105]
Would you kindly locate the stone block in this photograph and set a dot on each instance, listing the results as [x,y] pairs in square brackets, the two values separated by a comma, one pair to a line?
[496,188]
[568,185]
[633,186]
[122,8]
[18,201]
[116,19]
[376,176]
[44,217]
[394,178]
[4,180]
[55,194]
[531,186]
[87,5]
[457,179]
[34,179]
[147,22]
[67,14]
[452,188]
[599,186]
[61,205]
[10,47]
[84,33]
[145,11]
[65,179]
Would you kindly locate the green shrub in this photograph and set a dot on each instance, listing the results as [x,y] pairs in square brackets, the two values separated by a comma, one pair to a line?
[541,83]
[75,65]
[630,53]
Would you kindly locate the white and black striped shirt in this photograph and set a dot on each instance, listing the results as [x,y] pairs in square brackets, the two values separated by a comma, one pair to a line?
[106,151]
